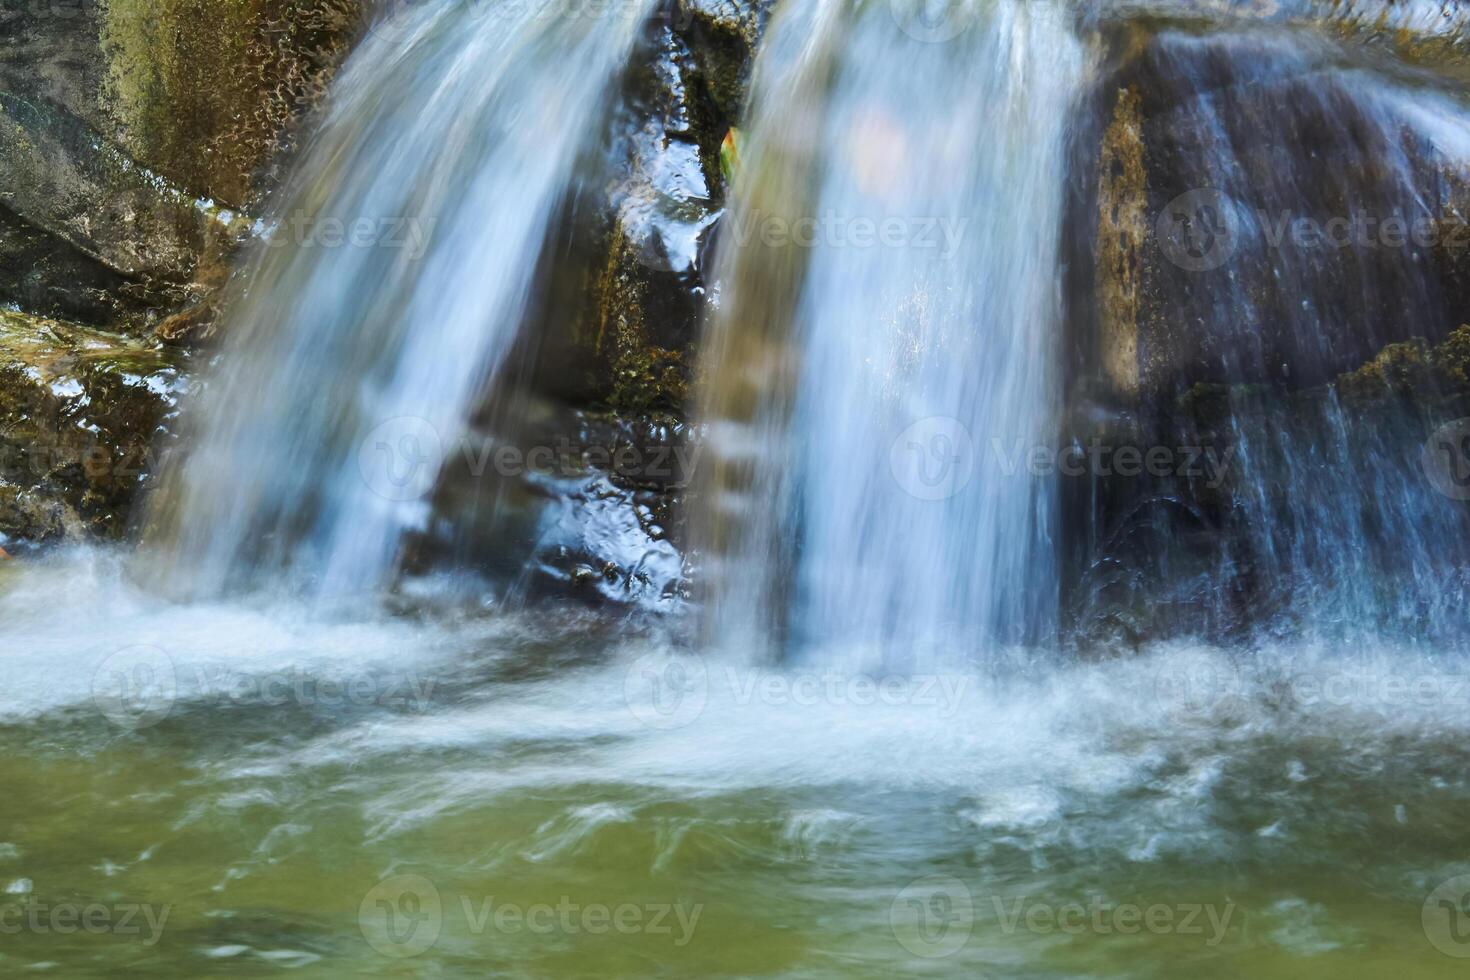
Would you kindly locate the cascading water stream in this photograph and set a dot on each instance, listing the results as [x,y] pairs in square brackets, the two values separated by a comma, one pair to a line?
[391,283]
[885,334]
[1322,204]
[240,785]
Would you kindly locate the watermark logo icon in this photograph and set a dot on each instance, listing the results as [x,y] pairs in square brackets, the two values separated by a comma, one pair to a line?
[1196,686]
[400,459]
[135,687]
[1446,917]
[401,916]
[933,916]
[933,21]
[934,458]
[1446,459]
[1198,230]
[666,692]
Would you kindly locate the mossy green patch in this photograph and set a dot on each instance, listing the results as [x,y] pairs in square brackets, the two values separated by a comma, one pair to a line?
[206,90]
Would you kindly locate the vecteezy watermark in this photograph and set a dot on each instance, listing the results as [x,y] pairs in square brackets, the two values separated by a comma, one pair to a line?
[831,229]
[666,692]
[1198,230]
[137,687]
[1201,230]
[60,9]
[407,233]
[1099,458]
[38,459]
[401,459]
[933,459]
[31,915]
[404,915]
[1202,685]
[1361,230]
[1445,917]
[933,21]
[935,917]
[1446,459]
[936,458]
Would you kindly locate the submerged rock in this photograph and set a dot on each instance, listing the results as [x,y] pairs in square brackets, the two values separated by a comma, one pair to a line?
[81,419]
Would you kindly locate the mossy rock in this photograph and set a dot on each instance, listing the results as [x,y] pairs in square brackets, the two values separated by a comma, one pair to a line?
[83,420]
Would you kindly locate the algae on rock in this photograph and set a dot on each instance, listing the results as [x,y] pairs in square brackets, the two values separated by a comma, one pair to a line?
[81,412]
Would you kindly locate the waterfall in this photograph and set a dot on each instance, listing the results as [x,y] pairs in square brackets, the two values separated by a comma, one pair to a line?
[1335,195]
[388,286]
[880,358]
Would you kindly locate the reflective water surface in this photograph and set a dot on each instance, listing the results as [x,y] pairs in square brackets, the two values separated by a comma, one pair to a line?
[443,794]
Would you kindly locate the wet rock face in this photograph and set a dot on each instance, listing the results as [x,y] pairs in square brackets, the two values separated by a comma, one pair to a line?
[206,92]
[1268,267]
[53,277]
[1288,508]
[611,357]
[565,504]
[80,417]
[627,272]
[1267,210]
[130,131]
[80,205]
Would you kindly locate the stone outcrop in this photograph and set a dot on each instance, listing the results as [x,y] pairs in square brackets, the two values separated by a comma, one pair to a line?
[82,417]
[629,288]
[1239,223]
[133,135]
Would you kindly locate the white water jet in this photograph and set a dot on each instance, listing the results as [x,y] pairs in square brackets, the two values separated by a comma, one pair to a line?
[389,286]
[882,357]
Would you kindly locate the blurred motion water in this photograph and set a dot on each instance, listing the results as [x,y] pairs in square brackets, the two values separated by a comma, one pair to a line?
[885,336]
[878,758]
[390,283]
[1325,204]
[396,795]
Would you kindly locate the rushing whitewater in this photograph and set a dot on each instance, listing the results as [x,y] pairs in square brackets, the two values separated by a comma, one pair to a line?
[866,392]
[926,783]
[389,286]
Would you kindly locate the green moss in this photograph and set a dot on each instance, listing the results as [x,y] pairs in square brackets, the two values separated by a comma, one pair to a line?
[1398,370]
[204,89]
[1121,235]
[53,347]
[1452,359]
[79,413]
[644,376]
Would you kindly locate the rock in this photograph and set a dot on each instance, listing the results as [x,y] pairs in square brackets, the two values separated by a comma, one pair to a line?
[205,92]
[77,198]
[1199,556]
[565,503]
[81,417]
[133,134]
[1210,152]
[1122,236]
[629,288]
